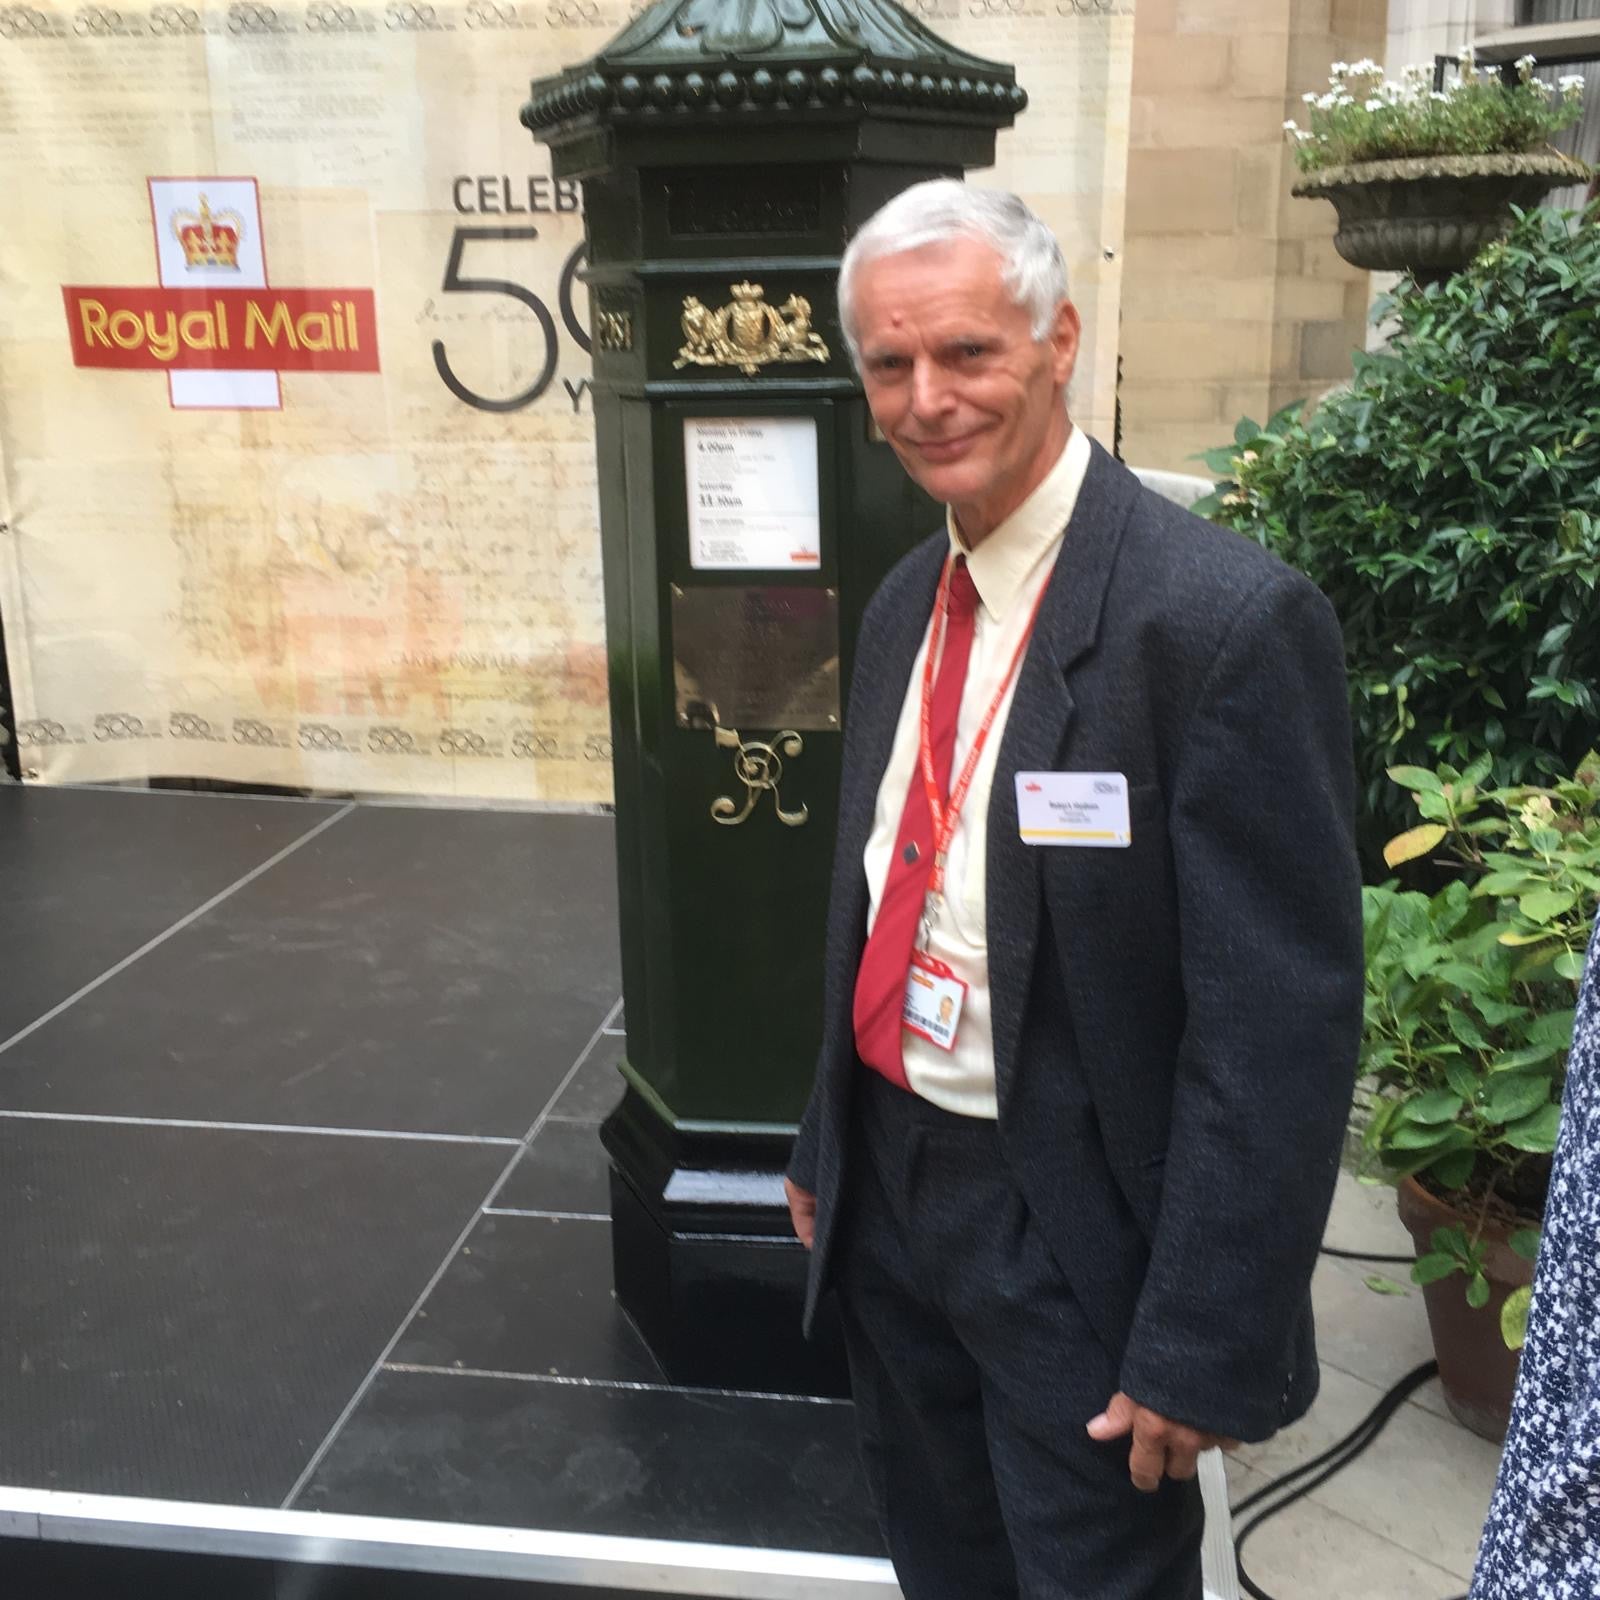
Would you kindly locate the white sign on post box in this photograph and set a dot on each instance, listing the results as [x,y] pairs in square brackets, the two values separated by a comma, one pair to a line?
[752,486]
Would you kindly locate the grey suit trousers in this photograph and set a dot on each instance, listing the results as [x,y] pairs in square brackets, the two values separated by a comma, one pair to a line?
[975,1372]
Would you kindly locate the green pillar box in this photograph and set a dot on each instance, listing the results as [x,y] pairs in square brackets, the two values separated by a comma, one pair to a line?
[728,149]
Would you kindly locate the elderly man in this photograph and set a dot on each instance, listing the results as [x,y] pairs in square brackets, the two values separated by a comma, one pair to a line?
[1097,796]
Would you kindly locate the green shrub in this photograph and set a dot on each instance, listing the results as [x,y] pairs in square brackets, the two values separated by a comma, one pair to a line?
[1448,503]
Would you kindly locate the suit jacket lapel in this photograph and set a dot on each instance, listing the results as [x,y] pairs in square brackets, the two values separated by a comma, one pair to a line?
[1041,713]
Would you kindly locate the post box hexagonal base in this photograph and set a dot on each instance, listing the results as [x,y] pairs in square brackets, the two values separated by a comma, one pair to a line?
[705,1262]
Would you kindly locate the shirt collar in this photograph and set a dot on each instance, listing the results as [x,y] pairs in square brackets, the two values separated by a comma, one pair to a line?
[1002,563]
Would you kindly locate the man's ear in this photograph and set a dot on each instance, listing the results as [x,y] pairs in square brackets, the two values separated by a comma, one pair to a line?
[1065,332]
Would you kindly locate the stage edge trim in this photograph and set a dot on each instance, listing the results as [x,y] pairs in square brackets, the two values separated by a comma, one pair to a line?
[646,1566]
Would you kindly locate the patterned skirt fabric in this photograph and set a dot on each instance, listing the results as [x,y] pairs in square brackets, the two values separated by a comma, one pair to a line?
[1542,1538]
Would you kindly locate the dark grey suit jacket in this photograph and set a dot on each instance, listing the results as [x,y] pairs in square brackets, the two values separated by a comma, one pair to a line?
[1176,1023]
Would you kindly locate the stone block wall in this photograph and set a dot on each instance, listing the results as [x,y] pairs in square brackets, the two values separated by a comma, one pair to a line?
[1233,300]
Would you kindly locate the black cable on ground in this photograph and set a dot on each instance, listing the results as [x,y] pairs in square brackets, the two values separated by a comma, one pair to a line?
[1314,1473]
[1366,1255]
[1309,1475]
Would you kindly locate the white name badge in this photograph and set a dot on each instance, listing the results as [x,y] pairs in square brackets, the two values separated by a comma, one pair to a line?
[1074,808]
[934,997]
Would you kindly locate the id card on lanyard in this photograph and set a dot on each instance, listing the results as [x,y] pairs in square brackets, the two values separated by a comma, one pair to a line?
[934,994]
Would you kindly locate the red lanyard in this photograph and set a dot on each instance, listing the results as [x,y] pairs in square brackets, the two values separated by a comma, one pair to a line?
[946,814]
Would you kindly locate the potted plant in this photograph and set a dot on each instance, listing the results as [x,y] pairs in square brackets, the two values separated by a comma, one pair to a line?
[1423,179]
[1470,993]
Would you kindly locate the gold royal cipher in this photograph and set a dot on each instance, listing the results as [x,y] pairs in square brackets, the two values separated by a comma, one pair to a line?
[748,333]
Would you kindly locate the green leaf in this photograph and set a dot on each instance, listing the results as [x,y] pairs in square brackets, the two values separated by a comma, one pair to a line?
[1419,959]
[1525,1241]
[1423,1136]
[1536,1133]
[1436,1106]
[1454,1171]
[1510,1097]
[1477,1291]
[1418,778]
[1496,1013]
[1535,963]
[1220,461]
[1518,1060]
[1379,1284]
[1433,1267]
[1515,880]
[1554,1028]
[1541,905]
[1569,964]
[1514,1317]
[1461,1025]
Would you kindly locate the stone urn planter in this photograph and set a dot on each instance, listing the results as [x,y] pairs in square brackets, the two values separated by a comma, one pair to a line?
[1477,1372]
[1430,215]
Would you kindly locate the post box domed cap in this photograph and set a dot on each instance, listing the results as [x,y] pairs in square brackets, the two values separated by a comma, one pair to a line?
[693,59]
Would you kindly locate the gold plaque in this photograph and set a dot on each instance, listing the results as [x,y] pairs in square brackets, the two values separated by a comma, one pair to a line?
[762,657]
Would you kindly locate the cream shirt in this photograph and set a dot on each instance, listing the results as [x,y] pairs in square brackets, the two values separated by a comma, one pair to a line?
[1009,569]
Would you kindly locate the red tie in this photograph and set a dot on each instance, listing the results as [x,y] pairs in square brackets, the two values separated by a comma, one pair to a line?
[881,980]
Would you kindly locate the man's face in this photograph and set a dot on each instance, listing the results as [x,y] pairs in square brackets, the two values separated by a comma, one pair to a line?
[971,404]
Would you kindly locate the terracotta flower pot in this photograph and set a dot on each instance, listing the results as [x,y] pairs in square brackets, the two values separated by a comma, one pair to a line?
[1430,215]
[1476,1370]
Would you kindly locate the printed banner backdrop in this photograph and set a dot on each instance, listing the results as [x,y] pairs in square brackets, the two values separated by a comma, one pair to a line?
[296,462]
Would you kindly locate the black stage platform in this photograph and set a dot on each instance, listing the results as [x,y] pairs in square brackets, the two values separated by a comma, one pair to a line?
[302,1211]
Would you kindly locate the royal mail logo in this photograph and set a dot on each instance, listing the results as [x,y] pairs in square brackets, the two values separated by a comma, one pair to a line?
[213,323]
[1032,787]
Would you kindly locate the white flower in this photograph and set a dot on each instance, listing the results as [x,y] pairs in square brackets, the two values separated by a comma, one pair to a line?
[1373,105]
[1310,97]
[1339,70]
[1366,68]
[1436,95]
[1571,84]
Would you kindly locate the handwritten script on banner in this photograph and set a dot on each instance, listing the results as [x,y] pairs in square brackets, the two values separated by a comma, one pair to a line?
[297,480]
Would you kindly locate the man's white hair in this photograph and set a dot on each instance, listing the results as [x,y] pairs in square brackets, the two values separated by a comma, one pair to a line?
[944,209]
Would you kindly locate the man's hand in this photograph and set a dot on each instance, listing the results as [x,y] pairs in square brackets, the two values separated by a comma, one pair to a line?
[1160,1445]
[802,1211]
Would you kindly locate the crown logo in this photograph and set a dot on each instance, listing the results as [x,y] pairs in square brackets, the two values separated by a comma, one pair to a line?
[209,240]
[747,333]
